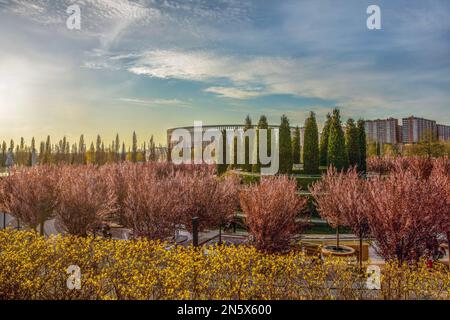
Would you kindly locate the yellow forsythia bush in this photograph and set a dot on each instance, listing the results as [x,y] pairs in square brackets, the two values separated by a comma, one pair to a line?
[34,267]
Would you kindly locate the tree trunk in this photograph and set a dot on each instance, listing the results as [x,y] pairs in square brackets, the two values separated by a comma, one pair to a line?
[41,228]
[337,237]
[360,252]
[220,235]
[448,247]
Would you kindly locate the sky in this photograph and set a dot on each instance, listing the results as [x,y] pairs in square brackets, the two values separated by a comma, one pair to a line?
[149,65]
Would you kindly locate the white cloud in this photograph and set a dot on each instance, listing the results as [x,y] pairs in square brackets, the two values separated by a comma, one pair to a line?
[306,49]
[355,85]
[235,93]
[156,102]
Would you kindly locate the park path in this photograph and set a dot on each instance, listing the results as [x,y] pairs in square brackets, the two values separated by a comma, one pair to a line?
[49,226]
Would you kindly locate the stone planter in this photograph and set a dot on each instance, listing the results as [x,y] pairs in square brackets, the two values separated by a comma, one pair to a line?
[342,251]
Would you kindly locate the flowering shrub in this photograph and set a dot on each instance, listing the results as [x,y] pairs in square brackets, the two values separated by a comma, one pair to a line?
[84,198]
[405,211]
[341,199]
[271,208]
[34,267]
[29,194]
[151,199]
[201,194]
[406,215]
[420,166]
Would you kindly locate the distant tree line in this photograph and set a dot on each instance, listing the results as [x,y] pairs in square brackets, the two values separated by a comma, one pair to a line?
[428,146]
[79,152]
[337,146]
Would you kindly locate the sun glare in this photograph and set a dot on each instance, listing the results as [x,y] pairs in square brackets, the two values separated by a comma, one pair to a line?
[14,91]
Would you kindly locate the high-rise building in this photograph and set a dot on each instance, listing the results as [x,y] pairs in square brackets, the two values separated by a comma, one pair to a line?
[383,131]
[414,129]
[443,132]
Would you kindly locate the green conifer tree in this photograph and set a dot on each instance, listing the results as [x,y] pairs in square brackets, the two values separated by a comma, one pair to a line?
[296,146]
[323,149]
[248,125]
[134,149]
[352,143]
[337,153]
[117,149]
[311,146]
[285,146]
[262,124]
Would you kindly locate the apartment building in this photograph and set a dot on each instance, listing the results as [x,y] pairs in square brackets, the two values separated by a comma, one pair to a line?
[383,131]
[415,128]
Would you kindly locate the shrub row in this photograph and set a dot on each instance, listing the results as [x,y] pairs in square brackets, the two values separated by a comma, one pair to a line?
[34,267]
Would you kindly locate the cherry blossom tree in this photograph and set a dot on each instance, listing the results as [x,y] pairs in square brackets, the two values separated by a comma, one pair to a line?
[151,203]
[329,200]
[441,177]
[213,200]
[225,202]
[271,208]
[420,166]
[380,165]
[405,214]
[85,198]
[117,174]
[29,194]
[341,200]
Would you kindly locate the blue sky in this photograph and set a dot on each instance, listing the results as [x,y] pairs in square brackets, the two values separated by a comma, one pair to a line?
[149,65]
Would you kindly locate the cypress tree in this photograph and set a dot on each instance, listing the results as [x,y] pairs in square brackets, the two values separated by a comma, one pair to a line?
[362,164]
[144,152]
[32,151]
[117,149]
[41,152]
[74,154]
[285,146]
[222,167]
[352,143]
[91,154]
[311,145]
[102,154]
[4,150]
[152,150]
[134,148]
[124,152]
[48,151]
[11,147]
[324,142]
[98,150]
[262,124]
[296,146]
[248,125]
[65,150]
[337,153]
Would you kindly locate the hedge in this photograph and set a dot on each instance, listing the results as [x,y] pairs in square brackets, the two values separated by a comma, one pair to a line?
[34,267]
